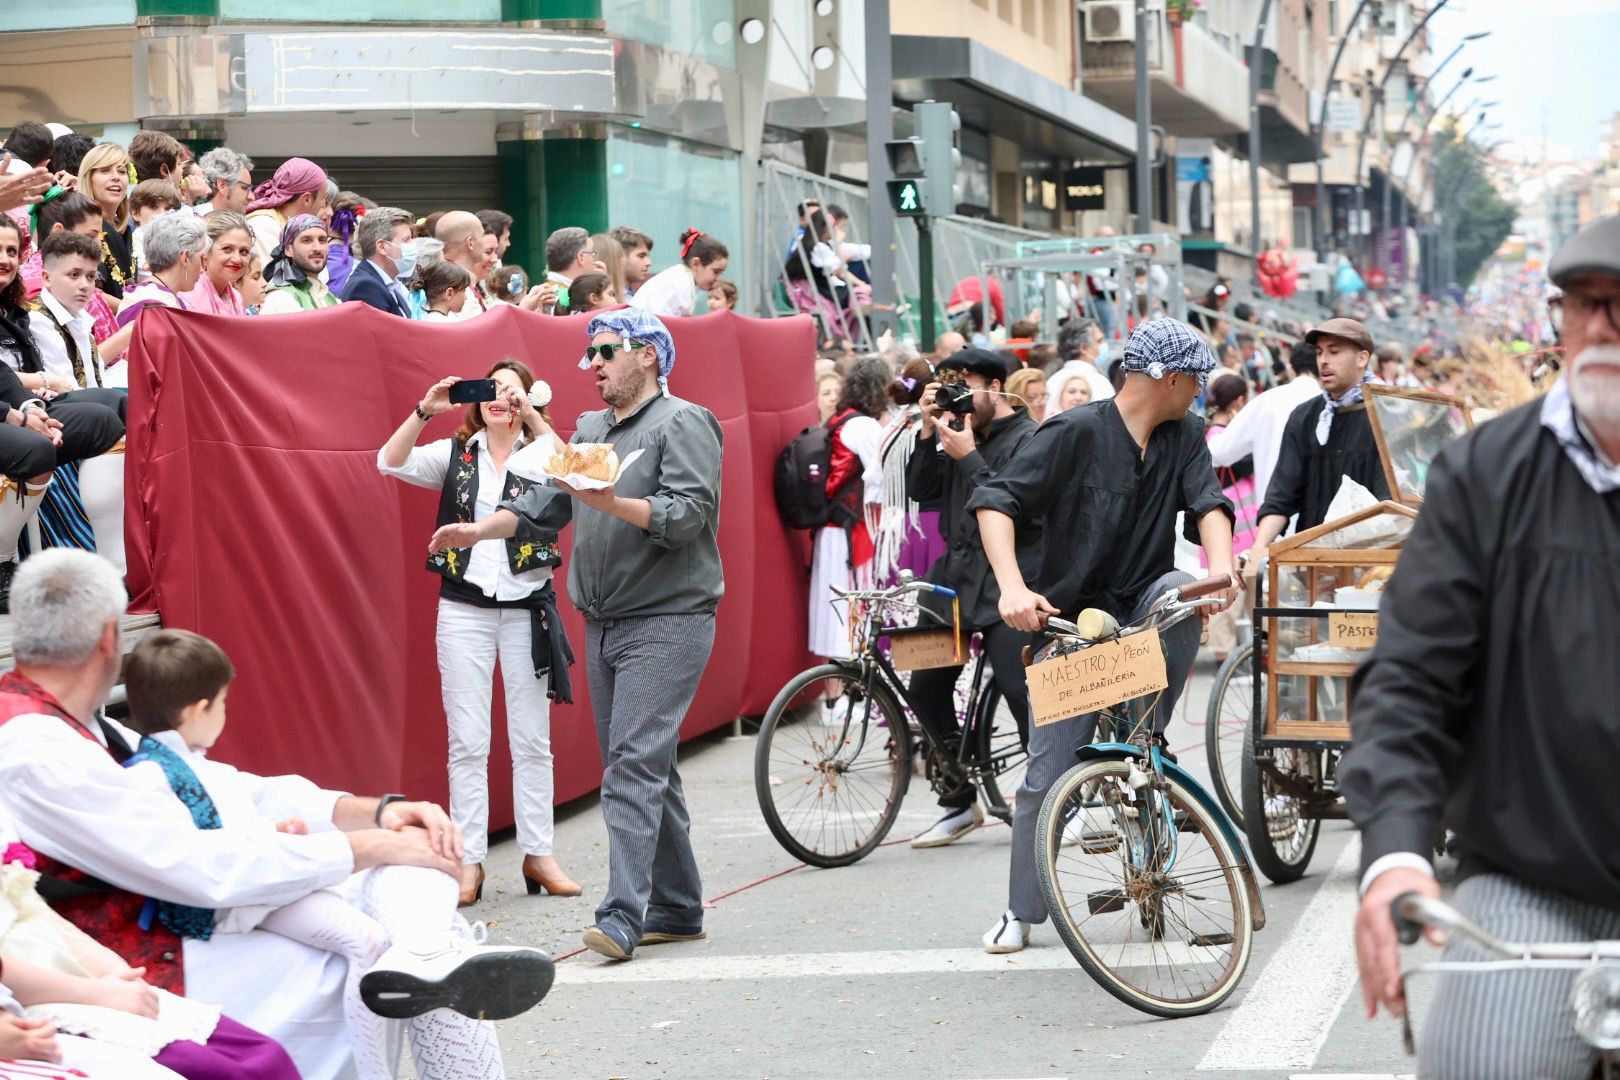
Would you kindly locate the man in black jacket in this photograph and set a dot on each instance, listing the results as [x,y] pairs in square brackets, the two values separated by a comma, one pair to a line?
[947,466]
[1489,701]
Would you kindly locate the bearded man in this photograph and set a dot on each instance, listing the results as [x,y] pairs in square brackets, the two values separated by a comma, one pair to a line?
[1489,701]
[294,271]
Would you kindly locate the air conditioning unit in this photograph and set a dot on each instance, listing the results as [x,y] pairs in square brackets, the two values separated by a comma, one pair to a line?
[1110,20]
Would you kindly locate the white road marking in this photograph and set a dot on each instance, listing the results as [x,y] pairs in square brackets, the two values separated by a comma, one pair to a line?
[1353,1076]
[650,966]
[1287,1013]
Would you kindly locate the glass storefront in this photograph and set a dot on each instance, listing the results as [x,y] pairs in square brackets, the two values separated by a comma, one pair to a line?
[701,29]
[640,193]
[68,14]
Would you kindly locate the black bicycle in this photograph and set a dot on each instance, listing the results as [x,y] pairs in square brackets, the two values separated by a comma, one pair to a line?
[834,754]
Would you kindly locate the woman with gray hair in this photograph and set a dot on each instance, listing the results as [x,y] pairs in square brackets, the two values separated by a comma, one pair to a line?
[173,245]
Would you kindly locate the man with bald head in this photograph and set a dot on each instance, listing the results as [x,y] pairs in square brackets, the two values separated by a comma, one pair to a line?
[947,344]
[462,235]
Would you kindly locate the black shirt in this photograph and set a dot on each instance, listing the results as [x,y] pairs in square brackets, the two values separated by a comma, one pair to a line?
[1489,702]
[118,246]
[1109,510]
[932,474]
[1308,474]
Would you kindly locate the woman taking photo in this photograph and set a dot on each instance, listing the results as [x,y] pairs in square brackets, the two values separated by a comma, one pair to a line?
[230,247]
[104,176]
[495,601]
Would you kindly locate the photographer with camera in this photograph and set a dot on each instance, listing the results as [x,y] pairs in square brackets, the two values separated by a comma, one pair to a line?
[969,431]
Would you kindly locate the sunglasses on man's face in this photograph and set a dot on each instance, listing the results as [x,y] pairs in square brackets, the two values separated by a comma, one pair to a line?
[607,351]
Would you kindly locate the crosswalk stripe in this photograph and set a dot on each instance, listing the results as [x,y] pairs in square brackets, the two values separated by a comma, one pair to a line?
[1287,1013]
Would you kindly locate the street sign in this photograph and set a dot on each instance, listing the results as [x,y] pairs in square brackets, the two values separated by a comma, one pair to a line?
[1343,115]
[1083,188]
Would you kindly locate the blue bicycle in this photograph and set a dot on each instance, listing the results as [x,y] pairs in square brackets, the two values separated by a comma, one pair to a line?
[1146,878]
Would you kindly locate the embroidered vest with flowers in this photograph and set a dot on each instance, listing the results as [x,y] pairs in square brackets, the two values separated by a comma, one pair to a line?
[458,502]
[109,914]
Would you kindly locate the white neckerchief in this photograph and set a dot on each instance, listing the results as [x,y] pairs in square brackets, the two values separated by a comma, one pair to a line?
[1352,396]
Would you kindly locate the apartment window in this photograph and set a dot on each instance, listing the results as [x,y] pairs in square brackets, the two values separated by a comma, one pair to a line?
[1303,228]
[1005,12]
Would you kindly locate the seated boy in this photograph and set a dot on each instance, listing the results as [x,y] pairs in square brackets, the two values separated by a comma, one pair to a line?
[60,326]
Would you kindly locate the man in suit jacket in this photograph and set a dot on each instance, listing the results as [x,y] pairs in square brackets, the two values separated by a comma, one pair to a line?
[388,255]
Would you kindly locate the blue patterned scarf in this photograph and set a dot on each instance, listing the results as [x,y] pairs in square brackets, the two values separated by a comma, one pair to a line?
[188,922]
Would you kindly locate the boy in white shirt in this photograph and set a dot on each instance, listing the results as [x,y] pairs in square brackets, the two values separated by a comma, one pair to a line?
[61,327]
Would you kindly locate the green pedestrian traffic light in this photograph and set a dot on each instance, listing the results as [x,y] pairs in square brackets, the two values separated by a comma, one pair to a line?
[906,196]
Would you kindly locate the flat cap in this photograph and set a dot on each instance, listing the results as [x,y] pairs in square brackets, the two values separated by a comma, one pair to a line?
[981,362]
[1348,329]
[1162,346]
[1593,250]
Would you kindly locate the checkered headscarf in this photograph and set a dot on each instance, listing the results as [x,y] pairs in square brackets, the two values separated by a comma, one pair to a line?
[639,325]
[1164,345]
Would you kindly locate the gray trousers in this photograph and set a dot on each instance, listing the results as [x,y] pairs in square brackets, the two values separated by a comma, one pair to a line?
[1512,1025]
[1052,749]
[643,675]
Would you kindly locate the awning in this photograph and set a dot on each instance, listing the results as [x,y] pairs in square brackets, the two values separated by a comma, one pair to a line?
[996,94]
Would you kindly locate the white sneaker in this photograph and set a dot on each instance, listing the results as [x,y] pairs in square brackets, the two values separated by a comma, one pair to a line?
[1009,935]
[834,711]
[456,970]
[950,828]
[1073,830]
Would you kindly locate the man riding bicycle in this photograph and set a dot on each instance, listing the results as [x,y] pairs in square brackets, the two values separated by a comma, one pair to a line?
[1107,479]
[1489,701]
[948,466]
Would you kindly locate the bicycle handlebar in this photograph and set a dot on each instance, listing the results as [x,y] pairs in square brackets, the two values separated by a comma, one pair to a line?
[890,594]
[1209,586]
[1412,912]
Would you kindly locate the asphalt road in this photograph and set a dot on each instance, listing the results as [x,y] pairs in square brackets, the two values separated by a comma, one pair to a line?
[875,970]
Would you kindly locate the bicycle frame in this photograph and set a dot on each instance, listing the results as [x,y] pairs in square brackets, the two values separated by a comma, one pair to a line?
[1139,748]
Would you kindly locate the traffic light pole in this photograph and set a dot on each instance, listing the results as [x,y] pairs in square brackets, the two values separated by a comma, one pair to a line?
[925,275]
[879,130]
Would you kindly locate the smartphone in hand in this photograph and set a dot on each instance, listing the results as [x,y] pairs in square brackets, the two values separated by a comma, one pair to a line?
[468,391]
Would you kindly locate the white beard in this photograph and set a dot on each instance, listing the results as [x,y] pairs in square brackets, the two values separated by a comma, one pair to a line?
[1594,387]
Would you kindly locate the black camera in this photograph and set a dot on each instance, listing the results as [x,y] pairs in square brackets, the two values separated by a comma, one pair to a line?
[955,398]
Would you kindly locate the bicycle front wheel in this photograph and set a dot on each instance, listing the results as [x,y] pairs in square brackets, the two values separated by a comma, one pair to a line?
[1230,713]
[831,764]
[1150,897]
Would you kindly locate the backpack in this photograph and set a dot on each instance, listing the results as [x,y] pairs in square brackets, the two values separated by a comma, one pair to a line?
[801,479]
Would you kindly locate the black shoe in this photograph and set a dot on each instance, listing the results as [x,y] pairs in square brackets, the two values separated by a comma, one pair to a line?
[8,570]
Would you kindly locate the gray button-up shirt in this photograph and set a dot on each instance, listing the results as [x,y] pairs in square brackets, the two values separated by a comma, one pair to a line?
[617,571]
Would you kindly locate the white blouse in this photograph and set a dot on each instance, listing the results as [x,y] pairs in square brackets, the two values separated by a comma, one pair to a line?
[667,293]
[488,569]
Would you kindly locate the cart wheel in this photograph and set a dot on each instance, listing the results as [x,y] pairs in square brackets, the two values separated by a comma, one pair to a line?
[1281,839]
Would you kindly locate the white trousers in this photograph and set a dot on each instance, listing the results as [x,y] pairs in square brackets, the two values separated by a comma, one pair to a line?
[469,641]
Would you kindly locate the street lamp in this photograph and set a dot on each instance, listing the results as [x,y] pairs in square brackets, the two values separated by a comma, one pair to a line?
[1254,135]
[1321,120]
[1377,100]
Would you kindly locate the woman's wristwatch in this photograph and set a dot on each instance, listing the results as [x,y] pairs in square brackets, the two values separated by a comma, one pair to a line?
[382,804]
[422,414]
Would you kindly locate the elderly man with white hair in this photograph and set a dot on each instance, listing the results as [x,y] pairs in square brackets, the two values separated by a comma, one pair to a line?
[1488,703]
[229,175]
[109,838]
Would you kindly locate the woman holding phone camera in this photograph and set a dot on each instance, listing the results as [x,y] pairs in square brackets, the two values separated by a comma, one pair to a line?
[496,601]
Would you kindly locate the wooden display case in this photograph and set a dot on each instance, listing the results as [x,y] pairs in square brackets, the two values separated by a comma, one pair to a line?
[1319,610]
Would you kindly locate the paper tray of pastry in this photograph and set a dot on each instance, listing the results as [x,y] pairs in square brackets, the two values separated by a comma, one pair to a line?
[582,466]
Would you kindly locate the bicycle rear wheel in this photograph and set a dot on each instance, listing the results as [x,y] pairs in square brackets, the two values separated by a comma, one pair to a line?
[830,782]
[1230,712]
[999,757]
[1281,837]
[1151,898]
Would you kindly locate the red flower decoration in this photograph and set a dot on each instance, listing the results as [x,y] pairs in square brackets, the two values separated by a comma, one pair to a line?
[466,455]
[20,853]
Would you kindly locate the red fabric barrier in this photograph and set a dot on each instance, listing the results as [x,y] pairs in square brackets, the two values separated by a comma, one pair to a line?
[255,515]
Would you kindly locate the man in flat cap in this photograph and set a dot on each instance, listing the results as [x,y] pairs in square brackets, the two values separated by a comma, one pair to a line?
[1490,700]
[1326,439]
[954,455]
[1107,481]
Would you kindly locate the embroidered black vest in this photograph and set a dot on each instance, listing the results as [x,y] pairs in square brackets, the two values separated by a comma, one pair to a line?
[458,502]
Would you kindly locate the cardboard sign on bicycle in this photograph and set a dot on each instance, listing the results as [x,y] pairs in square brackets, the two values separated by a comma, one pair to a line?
[1096,678]
[917,650]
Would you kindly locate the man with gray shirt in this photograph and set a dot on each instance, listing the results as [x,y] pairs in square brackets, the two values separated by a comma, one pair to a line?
[645,572]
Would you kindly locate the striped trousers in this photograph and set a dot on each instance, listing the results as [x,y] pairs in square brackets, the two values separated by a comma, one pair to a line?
[1511,1025]
[644,673]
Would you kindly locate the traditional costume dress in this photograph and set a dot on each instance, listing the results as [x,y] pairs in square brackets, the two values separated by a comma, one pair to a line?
[109,838]
[188,1037]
